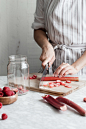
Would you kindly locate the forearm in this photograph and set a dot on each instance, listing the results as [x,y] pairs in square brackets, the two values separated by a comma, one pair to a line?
[80,63]
[41,38]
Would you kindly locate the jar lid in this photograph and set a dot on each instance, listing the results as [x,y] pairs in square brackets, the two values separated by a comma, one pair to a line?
[17,58]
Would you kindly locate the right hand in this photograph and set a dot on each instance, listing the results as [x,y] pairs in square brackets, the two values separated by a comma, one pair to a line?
[48,55]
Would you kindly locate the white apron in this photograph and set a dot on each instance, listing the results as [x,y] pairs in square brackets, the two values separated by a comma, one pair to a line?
[68,54]
[70,40]
[65,24]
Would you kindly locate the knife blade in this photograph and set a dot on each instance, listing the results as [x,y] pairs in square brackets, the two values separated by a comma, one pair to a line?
[44,73]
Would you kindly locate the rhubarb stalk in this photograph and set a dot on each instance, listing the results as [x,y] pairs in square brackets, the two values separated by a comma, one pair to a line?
[55,103]
[72,104]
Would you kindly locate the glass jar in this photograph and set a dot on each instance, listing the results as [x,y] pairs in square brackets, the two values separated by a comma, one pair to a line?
[18,73]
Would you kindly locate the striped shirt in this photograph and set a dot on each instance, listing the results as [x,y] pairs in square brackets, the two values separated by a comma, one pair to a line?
[65,24]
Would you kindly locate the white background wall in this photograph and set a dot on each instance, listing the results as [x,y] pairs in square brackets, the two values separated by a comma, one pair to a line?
[16,35]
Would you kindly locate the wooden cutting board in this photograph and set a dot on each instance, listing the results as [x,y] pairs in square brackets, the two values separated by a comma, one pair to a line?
[58,91]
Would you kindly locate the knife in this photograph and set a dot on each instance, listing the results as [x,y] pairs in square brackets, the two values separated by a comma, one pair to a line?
[44,73]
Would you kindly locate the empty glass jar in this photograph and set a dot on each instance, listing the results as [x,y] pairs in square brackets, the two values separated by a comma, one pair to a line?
[18,73]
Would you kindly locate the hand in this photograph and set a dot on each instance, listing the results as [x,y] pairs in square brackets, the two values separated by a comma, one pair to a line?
[65,69]
[48,55]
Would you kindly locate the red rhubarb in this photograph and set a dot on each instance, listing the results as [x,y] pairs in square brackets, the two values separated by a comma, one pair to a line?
[62,83]
[62,78]
[67,81]
[55,102]
[72,104]
[68,86]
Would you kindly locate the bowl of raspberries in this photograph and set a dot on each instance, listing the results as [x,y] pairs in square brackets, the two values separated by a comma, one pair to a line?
[7,95]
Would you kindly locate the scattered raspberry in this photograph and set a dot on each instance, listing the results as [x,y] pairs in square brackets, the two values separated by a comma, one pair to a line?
[4,116]
[1,94]
[6,89]
[9,93]
[0,105]
[84,99]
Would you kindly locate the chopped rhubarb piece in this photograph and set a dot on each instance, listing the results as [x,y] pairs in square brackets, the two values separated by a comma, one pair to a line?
[68,86]
[55,103]
[68,81]
[24,90]
[26,78]
[57,85]
[45,85]
[51,85]
[84,99]
[58,81]
[62,83]
[20,88]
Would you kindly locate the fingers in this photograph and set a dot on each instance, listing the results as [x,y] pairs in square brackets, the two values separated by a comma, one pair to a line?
[51,61]
[62,73]
[46,60]
[70,71]
[60,68]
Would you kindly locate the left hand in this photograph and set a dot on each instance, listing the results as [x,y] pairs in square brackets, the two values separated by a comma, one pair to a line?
[65,69]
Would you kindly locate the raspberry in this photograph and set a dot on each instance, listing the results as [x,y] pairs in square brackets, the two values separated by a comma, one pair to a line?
[30,78]
[1,94]
[34,76]
[84,99]
[13,93]
[6,89]
[0,89]
[9,93]
[0,105]
[4,116]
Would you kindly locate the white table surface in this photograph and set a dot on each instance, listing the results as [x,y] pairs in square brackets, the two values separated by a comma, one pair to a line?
[31,112]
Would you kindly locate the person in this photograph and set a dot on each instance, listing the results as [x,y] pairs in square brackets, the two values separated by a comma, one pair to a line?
[60,30]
